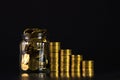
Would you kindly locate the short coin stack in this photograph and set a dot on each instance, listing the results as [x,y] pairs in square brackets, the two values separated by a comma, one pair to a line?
[65,60]
[54,56]
[87,68]
[76,63]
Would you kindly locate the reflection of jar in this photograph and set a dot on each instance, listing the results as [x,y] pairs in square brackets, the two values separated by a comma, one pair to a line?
[34,76]
[34,50]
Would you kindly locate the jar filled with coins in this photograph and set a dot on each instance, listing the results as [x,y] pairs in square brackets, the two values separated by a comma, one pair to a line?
[34,51]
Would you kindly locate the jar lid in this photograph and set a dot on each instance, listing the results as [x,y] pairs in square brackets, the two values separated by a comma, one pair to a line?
[34,32]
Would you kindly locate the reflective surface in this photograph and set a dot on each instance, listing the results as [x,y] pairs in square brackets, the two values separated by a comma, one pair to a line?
[56,76]
[53,76]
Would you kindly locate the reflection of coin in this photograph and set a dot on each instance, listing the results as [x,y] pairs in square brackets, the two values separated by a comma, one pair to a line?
[34,64]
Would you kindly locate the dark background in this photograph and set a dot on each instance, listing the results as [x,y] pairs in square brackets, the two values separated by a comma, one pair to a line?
[87,27]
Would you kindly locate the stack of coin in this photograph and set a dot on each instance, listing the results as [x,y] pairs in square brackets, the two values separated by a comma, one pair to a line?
[54,56]
[76,63]
[87,68]
[65,60]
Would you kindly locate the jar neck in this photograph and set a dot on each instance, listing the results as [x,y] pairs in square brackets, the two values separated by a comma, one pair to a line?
[39,36]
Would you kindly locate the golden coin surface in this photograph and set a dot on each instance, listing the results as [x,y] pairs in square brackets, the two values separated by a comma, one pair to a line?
[65,52]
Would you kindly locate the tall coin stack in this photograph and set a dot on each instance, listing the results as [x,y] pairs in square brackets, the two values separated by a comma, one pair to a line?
[76,64]
[65,60]
[54,56]
[87,68]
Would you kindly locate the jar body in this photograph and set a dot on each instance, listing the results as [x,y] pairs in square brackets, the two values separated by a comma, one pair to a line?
[34,55]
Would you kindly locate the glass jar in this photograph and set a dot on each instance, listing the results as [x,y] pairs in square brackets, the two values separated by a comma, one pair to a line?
[34,51]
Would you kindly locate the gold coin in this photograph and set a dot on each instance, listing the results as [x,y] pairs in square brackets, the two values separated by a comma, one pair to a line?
[76,57]
[54,56]
[54,66]
[75,69]
[54,49]
[64,69]
[54,43]
[54,61]
[64,57]
[54,69]
[65,62]
[54,46]
[65,52]
[87,64]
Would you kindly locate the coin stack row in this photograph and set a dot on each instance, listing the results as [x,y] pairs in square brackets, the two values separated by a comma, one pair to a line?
[64,61]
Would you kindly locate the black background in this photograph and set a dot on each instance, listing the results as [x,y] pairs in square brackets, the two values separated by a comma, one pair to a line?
[87,27]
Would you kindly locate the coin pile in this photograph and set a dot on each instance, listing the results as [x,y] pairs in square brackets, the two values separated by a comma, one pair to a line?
[76,63]
[54,56]
[65,60]
[87,68]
